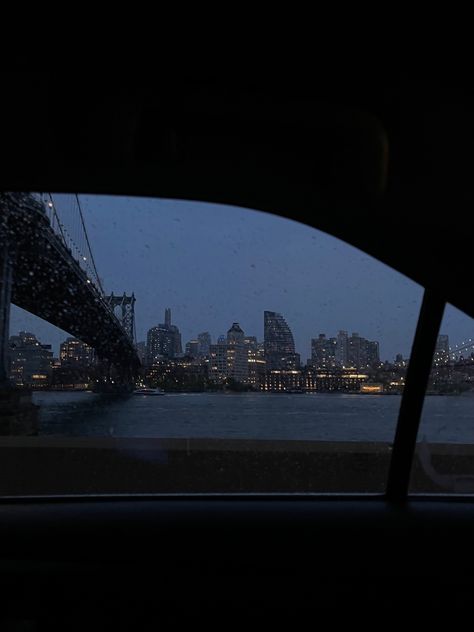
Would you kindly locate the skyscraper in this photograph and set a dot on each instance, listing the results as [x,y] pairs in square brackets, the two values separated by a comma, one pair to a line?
[255,360]
[218,362]
[342,349]
[323,352]
[373,353]
[176,335]
[357,351]
[279,343]
[205,342]
[164,340]
[160,343]
[192,348]
[237,355]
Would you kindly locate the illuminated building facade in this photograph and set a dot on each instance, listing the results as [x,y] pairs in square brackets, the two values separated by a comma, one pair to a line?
[30,361]
[323,352]
[228,359]
[164,340]
[75,354]
[279,343]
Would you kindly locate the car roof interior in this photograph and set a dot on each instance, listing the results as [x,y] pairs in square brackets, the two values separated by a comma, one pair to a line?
[381,161]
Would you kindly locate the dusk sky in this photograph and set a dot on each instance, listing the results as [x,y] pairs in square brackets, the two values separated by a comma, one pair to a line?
[214,265]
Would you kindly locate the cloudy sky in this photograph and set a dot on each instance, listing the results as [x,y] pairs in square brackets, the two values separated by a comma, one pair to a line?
[214,265]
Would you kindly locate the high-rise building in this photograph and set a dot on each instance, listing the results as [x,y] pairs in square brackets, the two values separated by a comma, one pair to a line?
[74,353]
[177,348]
[229,358]
[218,362]
[255,361]
[373,353]
[235,335]
[332,348]
[279,343]
[342,349]
[160,343]
[30,361]
[205,342]
[357,351]
[192,348]
[164,340]
[237,354]
[323,352]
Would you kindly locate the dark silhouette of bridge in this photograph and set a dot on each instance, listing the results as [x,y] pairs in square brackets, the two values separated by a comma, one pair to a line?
[47,268]
[456,356]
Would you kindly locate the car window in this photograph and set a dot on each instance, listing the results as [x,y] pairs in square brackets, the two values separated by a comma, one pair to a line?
[164,346]
[444,460]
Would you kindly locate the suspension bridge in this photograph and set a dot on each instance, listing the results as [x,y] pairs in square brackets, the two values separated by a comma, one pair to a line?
[458,355]
[47,268]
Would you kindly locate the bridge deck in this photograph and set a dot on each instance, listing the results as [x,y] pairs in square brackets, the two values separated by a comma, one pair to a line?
[49,282]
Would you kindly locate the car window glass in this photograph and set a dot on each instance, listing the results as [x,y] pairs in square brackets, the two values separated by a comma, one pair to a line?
[195,348]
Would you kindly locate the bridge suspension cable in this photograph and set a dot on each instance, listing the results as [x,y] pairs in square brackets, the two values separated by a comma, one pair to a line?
[99,284]
[67,221]
[464,346]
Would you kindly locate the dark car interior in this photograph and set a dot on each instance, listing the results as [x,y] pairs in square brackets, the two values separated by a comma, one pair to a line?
[382,161]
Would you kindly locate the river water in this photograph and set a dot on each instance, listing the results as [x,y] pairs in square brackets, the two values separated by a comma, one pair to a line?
[320,417]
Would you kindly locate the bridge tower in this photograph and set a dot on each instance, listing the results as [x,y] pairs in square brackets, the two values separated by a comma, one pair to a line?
[127,305]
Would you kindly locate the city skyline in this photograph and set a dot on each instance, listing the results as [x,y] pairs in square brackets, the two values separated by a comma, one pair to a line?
[232,264]
[237,362]
[442,345]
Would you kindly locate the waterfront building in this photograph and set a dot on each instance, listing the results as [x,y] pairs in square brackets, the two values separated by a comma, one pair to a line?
[328,380]
[281,381]
[237,354]
[255,361]
[279,343]
[229,358]
[74,353]
[30,361]
[357,351]
[373,353]
[323,352]
[164,340]
[342,349]
[218,362]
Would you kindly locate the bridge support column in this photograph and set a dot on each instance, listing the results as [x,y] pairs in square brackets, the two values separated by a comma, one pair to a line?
[18,414]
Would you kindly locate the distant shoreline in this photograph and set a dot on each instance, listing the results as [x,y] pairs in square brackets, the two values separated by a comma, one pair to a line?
[227,392]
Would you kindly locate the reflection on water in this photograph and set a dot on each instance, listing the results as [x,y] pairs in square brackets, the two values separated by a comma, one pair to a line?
[324,417]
